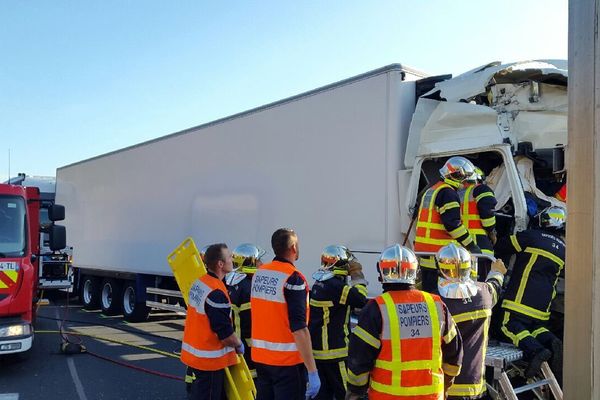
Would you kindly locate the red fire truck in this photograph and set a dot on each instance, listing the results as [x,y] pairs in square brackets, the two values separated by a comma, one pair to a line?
[20,231]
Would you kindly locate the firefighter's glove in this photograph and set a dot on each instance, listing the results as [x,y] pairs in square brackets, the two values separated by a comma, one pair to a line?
[314,384]
[356,275]
[355,269]
[499,266]
[240,349]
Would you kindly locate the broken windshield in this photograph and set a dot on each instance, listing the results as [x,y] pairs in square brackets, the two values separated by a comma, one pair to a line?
[12,226]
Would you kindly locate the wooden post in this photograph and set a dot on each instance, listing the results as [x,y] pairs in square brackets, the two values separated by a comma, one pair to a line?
[582,297]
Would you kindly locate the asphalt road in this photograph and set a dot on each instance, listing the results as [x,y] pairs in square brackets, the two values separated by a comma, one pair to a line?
[46,373]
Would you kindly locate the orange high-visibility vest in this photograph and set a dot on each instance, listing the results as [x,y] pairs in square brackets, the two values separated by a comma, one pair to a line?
[470,214]
[272,340]
[409,365]
[201,348]
[431,233]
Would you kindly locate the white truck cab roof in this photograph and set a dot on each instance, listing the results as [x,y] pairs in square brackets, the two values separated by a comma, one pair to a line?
[490,105]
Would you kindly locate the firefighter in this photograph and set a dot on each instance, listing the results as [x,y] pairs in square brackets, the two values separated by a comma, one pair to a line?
[406,345]
[540,258]
[470,304]
[209,343]
[246,259]
[281,346]
[331,301]
[189,376]
[478,204]
[439,220]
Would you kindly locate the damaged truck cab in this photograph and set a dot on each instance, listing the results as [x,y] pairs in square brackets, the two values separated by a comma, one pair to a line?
[510,120]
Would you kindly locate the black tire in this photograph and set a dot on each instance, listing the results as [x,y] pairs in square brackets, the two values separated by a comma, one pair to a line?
[133,310]
[111,297]
[89,292]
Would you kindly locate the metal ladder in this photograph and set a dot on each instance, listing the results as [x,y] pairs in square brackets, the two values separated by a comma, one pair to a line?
[500,357]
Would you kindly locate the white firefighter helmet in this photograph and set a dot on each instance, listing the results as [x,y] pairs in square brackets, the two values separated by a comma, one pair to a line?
[334,262]
[246,260]
[246,257]
[553,218]
[398,264]
[455,266]
[477,177]
[456,170]
[336,258]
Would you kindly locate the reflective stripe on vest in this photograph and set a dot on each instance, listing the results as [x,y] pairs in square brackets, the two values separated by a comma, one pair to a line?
[470,213]
[272,339]
[206,353]
[431,234]
[410,359]
[263,344]
[201,348]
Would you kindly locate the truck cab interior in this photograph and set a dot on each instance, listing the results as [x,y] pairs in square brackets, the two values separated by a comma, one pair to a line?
[487,162]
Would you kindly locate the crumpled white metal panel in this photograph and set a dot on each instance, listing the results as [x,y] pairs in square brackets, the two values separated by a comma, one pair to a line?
[450,127]
[520,110]
[474,82]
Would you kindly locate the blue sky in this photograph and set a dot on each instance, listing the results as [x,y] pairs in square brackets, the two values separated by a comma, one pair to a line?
[82,78]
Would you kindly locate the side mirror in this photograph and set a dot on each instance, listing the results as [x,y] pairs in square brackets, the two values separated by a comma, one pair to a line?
[558,159]
[57,237]
[56,212]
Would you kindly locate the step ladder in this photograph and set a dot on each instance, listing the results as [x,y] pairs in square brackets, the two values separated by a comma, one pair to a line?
[500,357]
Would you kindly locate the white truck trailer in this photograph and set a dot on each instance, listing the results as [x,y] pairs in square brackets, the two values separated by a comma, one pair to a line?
[344,164]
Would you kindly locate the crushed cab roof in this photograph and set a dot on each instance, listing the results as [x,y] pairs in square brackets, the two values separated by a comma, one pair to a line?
[475,82]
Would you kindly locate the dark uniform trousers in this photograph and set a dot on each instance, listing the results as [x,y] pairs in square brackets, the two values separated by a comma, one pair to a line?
[206,385]
[533,335]
[281,382]
[333,380]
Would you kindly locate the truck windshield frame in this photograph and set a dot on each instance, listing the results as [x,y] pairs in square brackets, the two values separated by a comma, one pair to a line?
[520,218]
[13,226]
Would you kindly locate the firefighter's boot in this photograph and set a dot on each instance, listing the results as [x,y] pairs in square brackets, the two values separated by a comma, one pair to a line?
[535,363]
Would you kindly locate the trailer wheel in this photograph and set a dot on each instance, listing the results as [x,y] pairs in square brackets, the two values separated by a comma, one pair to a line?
[89,292]
[110,297]
[133,310]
